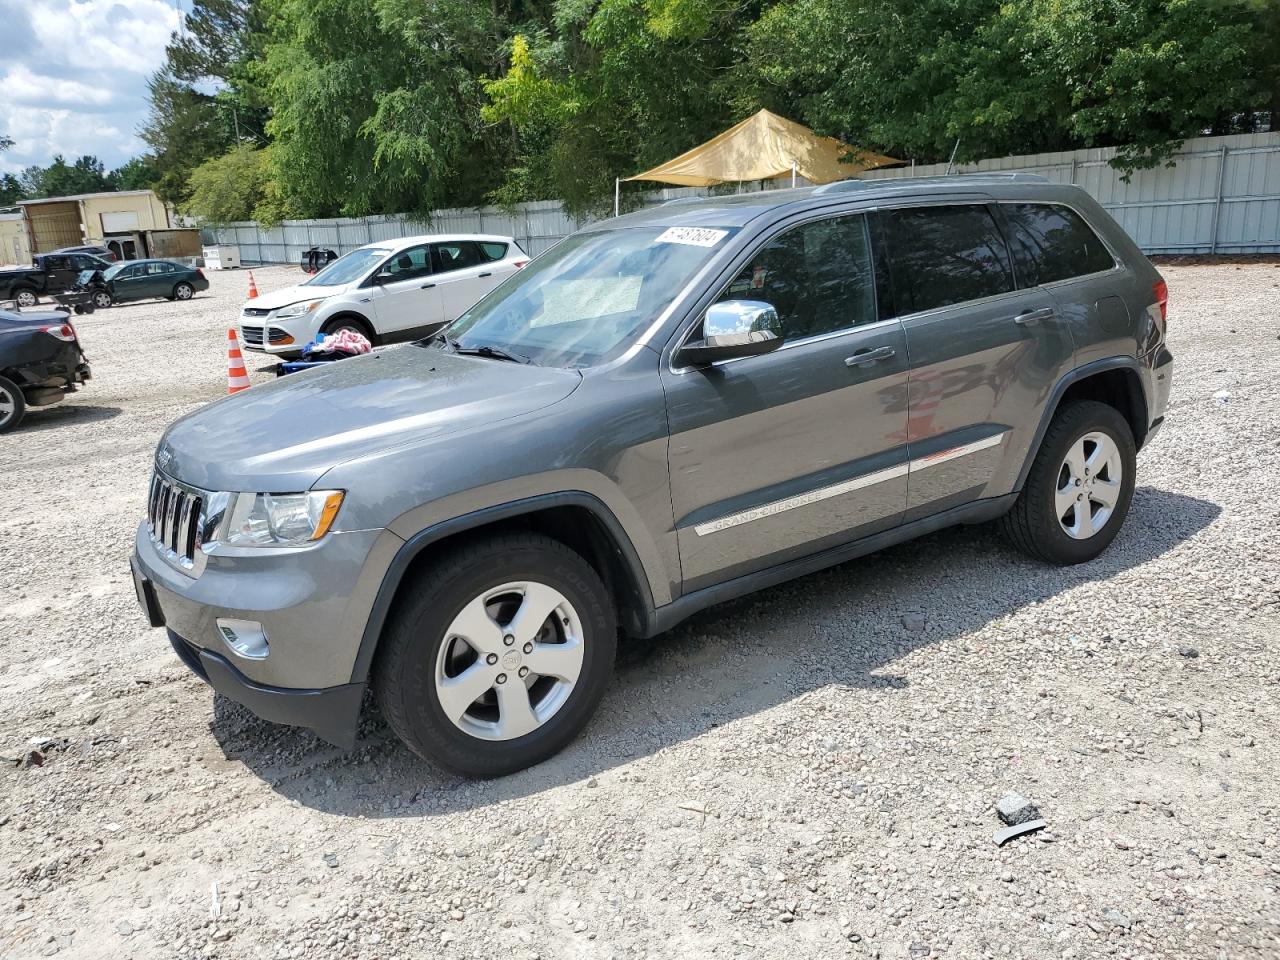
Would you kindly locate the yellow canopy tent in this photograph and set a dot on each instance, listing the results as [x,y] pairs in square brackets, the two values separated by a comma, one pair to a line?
[761,147]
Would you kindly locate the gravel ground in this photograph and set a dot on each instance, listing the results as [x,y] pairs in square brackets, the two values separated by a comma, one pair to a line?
[811,772]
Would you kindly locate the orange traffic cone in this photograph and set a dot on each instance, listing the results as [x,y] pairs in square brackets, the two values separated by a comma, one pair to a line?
[237,375]
[253,287]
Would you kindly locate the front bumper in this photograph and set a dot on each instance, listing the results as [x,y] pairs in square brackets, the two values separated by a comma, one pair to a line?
[333,713]
[312,604]
[301,329]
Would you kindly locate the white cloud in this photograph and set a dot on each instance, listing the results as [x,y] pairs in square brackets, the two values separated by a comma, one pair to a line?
[73,78]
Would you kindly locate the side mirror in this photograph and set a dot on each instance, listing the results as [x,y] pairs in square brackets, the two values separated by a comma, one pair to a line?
[731,329]
[383,276]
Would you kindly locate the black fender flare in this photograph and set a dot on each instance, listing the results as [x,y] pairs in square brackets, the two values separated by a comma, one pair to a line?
[414,546]
[1075,376]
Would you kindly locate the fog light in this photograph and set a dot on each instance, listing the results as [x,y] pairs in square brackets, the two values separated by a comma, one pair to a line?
[246,638]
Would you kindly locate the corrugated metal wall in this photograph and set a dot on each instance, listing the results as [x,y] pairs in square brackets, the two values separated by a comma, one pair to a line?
[1222,195]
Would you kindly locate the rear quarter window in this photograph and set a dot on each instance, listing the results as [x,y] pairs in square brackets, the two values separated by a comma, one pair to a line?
[1052,242]
[946,255]
[493,251]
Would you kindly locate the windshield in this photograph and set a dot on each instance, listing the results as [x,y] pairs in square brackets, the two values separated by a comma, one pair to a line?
[112,270]
[347,269]
[586,300]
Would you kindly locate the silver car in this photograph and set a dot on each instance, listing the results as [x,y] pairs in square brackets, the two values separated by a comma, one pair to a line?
[664,411]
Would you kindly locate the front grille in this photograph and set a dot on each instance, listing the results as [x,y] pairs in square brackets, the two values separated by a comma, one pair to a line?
[253,335]
[174,517]
[255,311]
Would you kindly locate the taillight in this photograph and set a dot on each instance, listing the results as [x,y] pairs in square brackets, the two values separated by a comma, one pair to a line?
[63,331]
[519,263]
[1160,290]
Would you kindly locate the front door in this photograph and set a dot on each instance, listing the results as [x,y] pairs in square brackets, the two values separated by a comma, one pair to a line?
[131,283]
[984,353]
[782,455]
[406,295]
[465,275]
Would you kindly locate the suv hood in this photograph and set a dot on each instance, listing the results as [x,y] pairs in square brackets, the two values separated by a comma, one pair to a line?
[282,298]
[283,436]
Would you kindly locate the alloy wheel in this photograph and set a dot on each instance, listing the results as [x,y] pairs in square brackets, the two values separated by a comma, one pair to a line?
[510,660]
[1089,484]
[26,298]
[7,406]
[183,292]
[102,300]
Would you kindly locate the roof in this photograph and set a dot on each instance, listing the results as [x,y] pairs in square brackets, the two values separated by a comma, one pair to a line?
[762,147]
[739,209]
[87,196]
[399,243]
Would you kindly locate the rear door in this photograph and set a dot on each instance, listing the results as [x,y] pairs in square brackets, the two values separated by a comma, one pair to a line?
[1056,249]
[465,274]
[984,353]
[405,294]
[59,271]
[782,455]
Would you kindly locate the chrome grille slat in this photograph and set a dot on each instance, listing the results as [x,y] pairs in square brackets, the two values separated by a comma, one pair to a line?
[175,520]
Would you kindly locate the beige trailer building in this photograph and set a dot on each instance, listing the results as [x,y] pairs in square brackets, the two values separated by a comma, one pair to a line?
[115,219]
[14,249]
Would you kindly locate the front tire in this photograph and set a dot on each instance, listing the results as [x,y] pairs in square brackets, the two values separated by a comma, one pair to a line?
[496,655]
[1079,487]
[102,299]
[26,298]
[354,324]
[13,405]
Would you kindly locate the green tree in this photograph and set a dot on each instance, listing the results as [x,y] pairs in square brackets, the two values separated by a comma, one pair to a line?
[138,173]
[231,187]
[913,78]
[11,190]
[85,174]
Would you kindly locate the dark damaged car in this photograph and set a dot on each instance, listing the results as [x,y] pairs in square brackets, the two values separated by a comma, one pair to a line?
[40,362]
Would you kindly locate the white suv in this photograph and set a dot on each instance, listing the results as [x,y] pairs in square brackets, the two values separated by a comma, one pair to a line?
[390,290]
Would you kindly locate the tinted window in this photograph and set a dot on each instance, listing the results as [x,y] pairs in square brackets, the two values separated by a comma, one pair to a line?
[409,264]
[945,255]
[493,251]
[1052,243]
[459,255]
[817,276]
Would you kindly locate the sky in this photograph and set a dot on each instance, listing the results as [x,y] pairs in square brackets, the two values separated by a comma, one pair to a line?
[73,76]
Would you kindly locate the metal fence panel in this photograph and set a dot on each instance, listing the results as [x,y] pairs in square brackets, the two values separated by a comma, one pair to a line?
[1221,195]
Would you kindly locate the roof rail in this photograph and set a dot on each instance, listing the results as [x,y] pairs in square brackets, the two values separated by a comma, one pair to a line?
[691,199]
[850,186]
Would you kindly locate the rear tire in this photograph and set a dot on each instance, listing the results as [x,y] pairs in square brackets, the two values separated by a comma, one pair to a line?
[26,298]
[183,291]
[1079,487]
[13,405]
[522,607]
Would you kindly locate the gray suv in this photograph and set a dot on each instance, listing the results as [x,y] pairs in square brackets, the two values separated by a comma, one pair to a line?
[662,412]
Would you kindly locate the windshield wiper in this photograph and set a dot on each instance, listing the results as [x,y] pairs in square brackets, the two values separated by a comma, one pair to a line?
[493,353]
[450,344]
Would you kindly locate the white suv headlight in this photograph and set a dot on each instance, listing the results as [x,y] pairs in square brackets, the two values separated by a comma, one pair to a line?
[278,519]
[296,309]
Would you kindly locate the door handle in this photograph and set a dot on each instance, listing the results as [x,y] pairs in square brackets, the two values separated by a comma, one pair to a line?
[865,358]
[485,274]
[1034,316]
[427,286]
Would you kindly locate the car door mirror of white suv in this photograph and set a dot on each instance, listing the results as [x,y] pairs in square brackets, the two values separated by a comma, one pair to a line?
[734,328]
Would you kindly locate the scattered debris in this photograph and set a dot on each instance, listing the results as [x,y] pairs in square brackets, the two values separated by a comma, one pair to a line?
[915,622]
[1008,833]
[215,907]
[330,860]
[1189,652]
[1223,396]
[1013,808]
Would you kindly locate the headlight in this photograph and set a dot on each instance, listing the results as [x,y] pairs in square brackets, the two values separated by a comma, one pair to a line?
[296,309]
[278,519]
